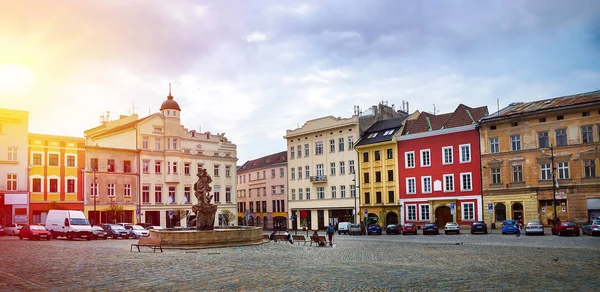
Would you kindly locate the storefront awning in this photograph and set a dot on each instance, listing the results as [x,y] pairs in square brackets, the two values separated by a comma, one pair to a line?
[593,204]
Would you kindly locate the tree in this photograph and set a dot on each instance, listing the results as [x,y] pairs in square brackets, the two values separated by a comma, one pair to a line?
[115,210]
[56,206]
[227,216]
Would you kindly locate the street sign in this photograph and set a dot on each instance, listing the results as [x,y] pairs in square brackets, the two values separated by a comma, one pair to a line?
[366,212]
[171,214]
[490,207]
[137,212]
[452,209]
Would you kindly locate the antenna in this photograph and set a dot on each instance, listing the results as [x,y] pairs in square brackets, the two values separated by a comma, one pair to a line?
[133,107]
[498,103]
[434,110]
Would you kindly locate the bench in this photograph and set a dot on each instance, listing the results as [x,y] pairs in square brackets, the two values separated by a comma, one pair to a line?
[265,237]
[299,238]
[280,237]
[317,240]
[152,242]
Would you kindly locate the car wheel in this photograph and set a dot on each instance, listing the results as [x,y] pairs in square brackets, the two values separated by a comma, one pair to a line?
[503,233]
[485,232]
[114,236]
[472,232]
[48,238]
[69,236]
[446,232]
[559,233]
[20,236]
[14,233]
[577,234]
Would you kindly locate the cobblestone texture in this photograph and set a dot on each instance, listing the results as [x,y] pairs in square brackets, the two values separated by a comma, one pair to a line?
[355,263]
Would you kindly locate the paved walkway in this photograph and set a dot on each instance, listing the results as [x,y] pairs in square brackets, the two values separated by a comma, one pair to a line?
[387,263]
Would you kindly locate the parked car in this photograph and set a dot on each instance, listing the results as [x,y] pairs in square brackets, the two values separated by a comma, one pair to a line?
[138,231]
[145,225]
[355,229]
[115,231]
[2,232]
[478,226]
[591,227]
[509,226]
[125,224]
[451,227]
[393,229]
[534,227]
[565,228]
[343,227]
[154,227]
[99,233]
[374,229]
[13,229]
[35,232]
[409,228]
[430,228]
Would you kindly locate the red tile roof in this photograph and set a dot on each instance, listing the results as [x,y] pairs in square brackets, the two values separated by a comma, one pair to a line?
[272,159]
[462,116]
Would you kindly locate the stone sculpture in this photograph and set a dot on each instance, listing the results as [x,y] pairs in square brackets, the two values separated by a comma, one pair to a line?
[205,210]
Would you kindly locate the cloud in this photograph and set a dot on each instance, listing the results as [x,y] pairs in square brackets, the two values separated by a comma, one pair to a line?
[255,37]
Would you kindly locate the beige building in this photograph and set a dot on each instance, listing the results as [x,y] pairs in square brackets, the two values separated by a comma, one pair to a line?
[169,157]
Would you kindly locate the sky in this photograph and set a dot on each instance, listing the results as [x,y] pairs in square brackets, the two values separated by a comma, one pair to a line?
[254,69]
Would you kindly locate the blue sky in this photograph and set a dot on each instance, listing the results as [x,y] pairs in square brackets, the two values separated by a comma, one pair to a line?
[253,69]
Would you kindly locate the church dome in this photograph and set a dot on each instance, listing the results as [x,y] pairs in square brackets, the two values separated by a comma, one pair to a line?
[170,104]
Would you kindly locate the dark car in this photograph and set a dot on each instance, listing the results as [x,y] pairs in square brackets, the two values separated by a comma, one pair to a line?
[565,228]
[409,228]
[591,227]
[430,228]
[374,229]
[115,231]
[356,229]
[35,232]
[478,226]
[2,232]
[98,232]
[392,229]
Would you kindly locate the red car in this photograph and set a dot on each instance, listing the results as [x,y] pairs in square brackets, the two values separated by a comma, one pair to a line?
[565,228]
[409,228]
[34,232]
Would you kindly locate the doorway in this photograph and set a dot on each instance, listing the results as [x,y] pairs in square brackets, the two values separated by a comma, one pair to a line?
[517,211]
[442,216]
[391,218]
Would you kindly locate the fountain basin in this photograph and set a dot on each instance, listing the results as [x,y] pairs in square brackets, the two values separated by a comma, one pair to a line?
[190,238]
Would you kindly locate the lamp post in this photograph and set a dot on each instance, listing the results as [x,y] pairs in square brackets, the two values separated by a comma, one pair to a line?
[399,212]
[553,185]
[95,197]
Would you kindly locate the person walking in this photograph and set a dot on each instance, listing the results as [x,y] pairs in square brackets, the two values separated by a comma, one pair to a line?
[519,225]
[330,231]
[288,237]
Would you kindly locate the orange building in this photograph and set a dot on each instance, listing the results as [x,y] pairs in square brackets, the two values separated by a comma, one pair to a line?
[56,166]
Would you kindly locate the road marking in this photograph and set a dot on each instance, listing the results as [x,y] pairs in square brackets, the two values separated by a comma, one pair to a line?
[35,285]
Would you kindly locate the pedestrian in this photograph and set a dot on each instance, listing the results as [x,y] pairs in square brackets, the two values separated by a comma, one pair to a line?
[288,237]
[330,231]
[272,236]
[518,225]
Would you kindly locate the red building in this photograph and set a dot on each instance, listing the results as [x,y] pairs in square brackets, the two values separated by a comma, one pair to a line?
[439,168]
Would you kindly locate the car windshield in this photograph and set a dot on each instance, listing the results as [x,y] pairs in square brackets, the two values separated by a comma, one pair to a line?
[79,222]
[391,226]
[409,225]
[354,226]
[596,222]
[36,227]
[430,225]
[509,222]
[451,224]
[137,227]
[97,228]
[119,227]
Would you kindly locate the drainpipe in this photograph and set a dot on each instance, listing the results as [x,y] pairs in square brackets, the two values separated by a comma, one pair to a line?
[477,128]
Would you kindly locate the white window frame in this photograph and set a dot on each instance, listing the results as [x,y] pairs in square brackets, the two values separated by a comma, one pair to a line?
[342,191]
[350,142]
[425,185]
[42,158]
[462,187]
[447,190]
[461,147]
[13,153]
[424,216]
[545,171]
[494,145]
[451,157]
[307,171]
[408,185]
[333,192]
[563,171]
[411,216]
[306,150]
[67,184]
[515,142]
[320,193]
[340,144]
[320,170]
[293,173]
[351,169]
[332,168]
[74,160]
[332,146]
[342,167]
[127,190]
[408,158]
[57,178]
[110,190]
[12,178]
[319,148]
[428,159]
[464,211]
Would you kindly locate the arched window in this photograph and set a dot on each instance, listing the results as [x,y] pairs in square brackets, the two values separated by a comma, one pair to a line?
[517,211]
[500,211]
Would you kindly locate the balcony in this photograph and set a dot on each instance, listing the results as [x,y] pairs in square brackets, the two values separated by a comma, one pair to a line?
[318,179]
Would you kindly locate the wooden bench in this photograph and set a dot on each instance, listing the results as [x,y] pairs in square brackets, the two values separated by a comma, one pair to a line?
[299,238]
[265,237]
[280,237]
[152,242]
[317,240]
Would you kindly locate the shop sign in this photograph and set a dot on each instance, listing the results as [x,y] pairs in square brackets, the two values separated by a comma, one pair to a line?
[561,195]
[21,219]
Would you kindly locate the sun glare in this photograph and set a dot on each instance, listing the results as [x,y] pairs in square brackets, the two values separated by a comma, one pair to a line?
[15,78]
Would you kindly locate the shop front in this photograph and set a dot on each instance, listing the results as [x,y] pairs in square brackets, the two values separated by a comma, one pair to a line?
[512,207]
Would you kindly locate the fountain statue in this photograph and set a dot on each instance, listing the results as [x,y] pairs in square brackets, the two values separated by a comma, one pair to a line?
[205,210]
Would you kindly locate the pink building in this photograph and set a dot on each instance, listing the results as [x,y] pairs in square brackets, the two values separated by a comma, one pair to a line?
[262,192]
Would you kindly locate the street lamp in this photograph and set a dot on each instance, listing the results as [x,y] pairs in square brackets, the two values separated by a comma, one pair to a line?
[399,211]
[553,184]
[95,193]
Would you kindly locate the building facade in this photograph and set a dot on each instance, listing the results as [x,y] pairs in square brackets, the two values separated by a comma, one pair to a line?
[440,177]
[14,193]
[169,159]
[56,174]
[262,192]
[536,153]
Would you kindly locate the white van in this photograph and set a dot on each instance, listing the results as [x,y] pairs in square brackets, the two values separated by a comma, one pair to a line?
[68,223]
[343,227]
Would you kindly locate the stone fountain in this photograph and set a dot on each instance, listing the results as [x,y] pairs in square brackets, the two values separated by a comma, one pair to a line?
[205,235]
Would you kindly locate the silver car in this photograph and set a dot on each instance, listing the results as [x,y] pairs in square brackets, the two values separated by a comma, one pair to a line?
[534,227]
[452,227]
[591,227]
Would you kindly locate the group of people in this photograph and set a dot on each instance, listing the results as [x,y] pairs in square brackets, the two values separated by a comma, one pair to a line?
[288,236]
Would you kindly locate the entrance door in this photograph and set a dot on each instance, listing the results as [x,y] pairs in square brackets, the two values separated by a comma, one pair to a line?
[442,216]
[391,218]
[517,209]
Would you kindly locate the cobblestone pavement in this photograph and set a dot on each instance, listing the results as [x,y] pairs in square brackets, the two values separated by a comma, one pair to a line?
[382,263]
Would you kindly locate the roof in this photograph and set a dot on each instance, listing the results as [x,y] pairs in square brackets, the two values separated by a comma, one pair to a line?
[122,127]
[462,116]
[170,104]
[384,130]
[273,159]
[556,103]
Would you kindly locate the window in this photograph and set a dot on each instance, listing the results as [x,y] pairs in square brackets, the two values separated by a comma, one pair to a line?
[292,152]
[110,190]
[94,189]
[272,173]
[156,143]
[372,135]
[341,144]
[389,132]
[145,143]
[318,148]
[366,177]
[353,191]
[563,170]
[448,183]
[585,114]
[367,198]
[517,173]
[273,190]
[426,184]
[94,163]
[157,194]
[332,168]
[366,157]
[410,185]
[227,171]
[216,170]
[174,143]
[587,136]
[293,194]
[200,166]
[377,155]
[465,182]
[127,166]
[542,120]
[281,189]
[350,142]
[37,185]
[307,150]
[494,145]
[299,194]
[320,193]
[11,182]
[299,151]
[332,145]
[281,172]
[52,159]
[391,197]
[561,137]
[448,159]
[465,153]
[217,195]
[514,124]
[424,212]
[500,211]
[145,166]
[342,167]
[545,171]
[390,175]
[351,165]
[251,207]
[543,140]
[127,190]
[146,194]
[70,186]
[425,158]
[378,176]
[468,211]
[320,171]
[186,168]
[300,172]
[70,161]
[37,159]
[12,154]
[158,166]
[589,168]
[307,171]
[308,193]
[378,197]
[228,196]
[390,153]
[409,159]
[110,166]
[411,212]
[515,143]
[293,173]
[496,179]
[342,192]
[54,185]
